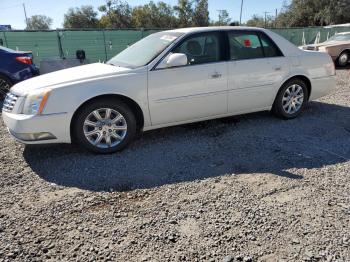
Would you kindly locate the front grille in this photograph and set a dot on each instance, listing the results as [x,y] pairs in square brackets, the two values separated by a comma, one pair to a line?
[9,102]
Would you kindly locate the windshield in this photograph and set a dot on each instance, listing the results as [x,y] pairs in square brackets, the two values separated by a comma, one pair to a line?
[340,37]
[145,50]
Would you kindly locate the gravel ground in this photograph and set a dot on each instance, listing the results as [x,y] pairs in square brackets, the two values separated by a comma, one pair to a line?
[247,188]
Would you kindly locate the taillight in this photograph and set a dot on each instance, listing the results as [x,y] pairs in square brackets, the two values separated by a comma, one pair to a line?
[25,60]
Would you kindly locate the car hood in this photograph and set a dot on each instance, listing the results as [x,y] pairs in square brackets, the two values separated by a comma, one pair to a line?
[327,44]
[67,76]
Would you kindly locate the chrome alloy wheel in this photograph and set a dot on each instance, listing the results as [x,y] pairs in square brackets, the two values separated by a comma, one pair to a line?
[4,88]
[293,99]
[105,128]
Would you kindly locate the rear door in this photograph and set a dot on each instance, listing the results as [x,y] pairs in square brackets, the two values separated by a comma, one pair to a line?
[256,69]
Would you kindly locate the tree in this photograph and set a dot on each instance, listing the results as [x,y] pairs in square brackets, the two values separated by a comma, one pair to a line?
[39,22]
[224,18]
[153,15]
[259,21]
[83,17]
[201,13]
[165,15]
[184,12]
[116,14]
[301,13]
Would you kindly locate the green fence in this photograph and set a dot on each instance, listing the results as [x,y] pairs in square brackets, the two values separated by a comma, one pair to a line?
[300,36]
[101,45]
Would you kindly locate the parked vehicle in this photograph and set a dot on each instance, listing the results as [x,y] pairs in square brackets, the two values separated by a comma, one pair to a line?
[168,78]
[15,66]
[338,47]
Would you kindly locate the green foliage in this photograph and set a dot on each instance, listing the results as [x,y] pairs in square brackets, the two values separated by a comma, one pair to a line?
[119,14]
[83,17]
[116,14]
[300,13]
[224,18]
[39,22]
[184,12]
[259,21]
[160,15]
[201,13]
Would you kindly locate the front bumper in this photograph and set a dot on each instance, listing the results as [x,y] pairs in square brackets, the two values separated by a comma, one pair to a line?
[42,129]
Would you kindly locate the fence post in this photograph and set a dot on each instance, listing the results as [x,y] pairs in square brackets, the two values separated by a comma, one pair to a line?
[60,49]
[6,44]
[105,44]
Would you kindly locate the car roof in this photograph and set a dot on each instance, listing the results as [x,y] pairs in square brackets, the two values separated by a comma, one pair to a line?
[213,28]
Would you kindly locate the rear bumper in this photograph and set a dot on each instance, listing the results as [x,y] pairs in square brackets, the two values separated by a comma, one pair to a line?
[24,74]
[32,129]
[322,86]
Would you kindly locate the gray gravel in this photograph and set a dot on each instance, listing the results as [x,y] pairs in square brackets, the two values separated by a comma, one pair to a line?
[246,188]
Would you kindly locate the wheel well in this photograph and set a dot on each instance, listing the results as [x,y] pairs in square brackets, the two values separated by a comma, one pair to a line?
[305,80]
[136,109]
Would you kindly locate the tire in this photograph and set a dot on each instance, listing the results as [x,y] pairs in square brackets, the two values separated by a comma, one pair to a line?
[343,59]
[103,136]
[5,85]
[288,103]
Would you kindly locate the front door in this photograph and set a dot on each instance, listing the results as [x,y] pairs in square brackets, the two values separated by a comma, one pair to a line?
[192,92]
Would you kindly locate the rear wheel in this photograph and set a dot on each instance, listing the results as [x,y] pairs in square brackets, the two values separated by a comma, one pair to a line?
[343,59]
[5,85]
[104,126]
[291,99]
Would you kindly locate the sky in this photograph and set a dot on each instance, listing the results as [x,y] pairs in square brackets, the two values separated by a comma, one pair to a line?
[11,11]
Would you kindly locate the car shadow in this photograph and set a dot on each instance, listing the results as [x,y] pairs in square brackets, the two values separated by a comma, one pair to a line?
[343,68]
[255,143]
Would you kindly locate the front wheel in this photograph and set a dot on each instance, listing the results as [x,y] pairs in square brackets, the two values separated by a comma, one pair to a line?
[291,99]
[104,126]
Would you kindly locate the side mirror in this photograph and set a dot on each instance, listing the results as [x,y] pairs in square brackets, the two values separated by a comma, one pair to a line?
[176,59]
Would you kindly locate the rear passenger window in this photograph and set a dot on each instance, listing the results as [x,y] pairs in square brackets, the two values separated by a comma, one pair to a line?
[270,48]
[245,45]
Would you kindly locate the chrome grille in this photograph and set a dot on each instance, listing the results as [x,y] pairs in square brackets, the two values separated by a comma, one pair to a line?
[9,102]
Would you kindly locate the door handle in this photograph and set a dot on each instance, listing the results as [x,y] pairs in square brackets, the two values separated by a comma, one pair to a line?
[278,68]
[216,75]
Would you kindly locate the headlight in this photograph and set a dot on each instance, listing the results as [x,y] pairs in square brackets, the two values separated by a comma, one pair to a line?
[34,103]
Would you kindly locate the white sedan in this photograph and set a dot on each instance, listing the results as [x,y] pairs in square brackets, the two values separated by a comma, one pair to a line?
[168,78]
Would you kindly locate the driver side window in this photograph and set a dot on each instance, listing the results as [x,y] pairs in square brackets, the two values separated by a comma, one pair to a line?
[200,49]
